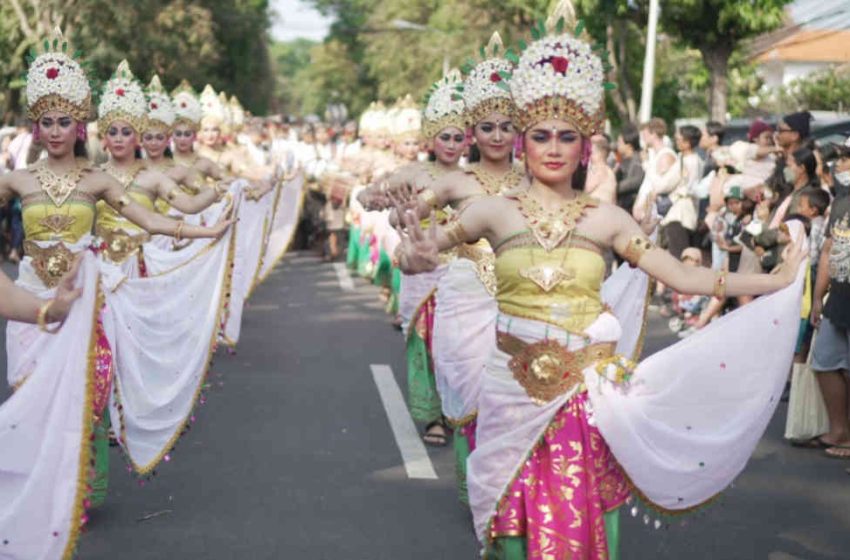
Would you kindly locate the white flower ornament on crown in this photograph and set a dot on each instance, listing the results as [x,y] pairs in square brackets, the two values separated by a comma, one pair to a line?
[122,100]
[444,106]
[160,108]
[560,75]
[56,80]
[483,91]
[187,107]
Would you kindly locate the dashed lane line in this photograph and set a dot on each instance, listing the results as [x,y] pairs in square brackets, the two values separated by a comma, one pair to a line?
[416,461]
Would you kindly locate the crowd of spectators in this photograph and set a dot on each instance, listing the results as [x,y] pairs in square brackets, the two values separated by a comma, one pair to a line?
[727,207]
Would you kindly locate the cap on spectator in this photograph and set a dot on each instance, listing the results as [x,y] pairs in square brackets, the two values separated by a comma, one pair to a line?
[799,122]
[734,192]
[692,253]
[757,128]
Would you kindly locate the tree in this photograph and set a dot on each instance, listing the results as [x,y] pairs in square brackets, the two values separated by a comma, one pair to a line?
[715,28]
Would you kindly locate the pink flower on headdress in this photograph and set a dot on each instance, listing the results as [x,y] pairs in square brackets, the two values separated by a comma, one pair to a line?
[119,92]
[183,104]
[154,105]
[560,64]
[52,73]
[495,77]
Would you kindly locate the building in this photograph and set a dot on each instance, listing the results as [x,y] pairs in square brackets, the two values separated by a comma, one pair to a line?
[816,37]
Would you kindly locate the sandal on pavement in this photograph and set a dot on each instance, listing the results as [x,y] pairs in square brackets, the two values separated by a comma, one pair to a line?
[838,452]
[814,443]
[436,438]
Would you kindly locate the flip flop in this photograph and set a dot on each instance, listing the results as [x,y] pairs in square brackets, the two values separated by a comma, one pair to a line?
[436,439]
[838,452]
[814,443]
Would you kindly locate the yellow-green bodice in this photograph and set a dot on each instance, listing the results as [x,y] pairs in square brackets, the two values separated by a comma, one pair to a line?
[109,219]
[44,221]
[571,304]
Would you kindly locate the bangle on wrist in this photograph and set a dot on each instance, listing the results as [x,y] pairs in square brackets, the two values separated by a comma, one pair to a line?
[41,319]
[178,231]
[720,284]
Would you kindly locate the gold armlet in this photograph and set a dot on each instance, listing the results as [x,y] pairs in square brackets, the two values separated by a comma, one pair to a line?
[429,197]
[638,245]
[178,231]
[720,285]
[455,232]
[42,318]
[124,201]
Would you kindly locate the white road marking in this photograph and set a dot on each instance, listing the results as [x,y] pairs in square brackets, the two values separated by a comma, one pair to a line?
[413,453]
[344,278]
[263,307]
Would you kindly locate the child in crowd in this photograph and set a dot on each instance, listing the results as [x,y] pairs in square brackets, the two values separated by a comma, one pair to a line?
[688,308]
[728,227]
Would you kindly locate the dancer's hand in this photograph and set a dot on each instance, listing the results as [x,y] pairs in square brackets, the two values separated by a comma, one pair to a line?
[419,250]
[66,293]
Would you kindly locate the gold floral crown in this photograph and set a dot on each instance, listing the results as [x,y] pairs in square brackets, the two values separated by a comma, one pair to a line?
[444,107]
[481,90]
[404,118]
[122,100]
[187,107]
[560,75]
[237,113]
[160,108]
[56,80]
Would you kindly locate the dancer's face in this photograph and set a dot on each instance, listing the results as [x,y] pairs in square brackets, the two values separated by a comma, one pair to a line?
[449,145]
[155,141]
[58,132]
[495,135]
[121,139]
[184,138]
[553,151]
[408,148]
[210,135]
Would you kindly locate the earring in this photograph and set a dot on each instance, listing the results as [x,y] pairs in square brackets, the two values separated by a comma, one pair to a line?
[36,134]
[81,132]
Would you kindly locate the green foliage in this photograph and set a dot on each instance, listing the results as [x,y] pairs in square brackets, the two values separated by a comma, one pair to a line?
[828,90]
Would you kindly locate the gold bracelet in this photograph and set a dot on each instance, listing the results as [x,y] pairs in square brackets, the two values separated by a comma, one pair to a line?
[455,232]
[178,232]
[429,197]
[638,245]
[720,285]
[41,319]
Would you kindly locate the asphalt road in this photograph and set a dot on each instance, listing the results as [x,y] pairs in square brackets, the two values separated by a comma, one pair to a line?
[293,457]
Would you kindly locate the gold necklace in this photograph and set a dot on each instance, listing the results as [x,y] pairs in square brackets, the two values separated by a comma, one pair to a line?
[187,161]
[435,171]
[126,178]
[58,187]
[497,184]
[550,229]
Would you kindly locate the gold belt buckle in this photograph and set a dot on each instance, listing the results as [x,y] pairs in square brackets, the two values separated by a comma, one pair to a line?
[50,263]
[546,369]
[119,245]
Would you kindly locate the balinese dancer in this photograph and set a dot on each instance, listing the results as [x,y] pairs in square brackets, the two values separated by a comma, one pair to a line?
[465,318]
[444,126]
[64,383]
[562,433]
[17,304]
[156,139]
[122,116]
[187,123]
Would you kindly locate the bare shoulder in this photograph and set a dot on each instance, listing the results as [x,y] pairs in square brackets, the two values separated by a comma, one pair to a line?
[605,221]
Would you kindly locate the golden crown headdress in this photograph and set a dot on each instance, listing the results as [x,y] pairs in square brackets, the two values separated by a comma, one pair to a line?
[483,90]
[405,117]
[122,100]
[227,123]
[212,107]
[187,107]
[160,108]
[238,113]
[56,80]
[444,106]
[560,75]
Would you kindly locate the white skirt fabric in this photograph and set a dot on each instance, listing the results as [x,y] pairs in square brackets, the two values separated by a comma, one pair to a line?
[45,427]
[415,289]
[286,213]
[464,338]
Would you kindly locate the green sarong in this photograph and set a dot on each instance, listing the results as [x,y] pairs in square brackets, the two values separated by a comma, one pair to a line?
[353,254]
[100,447]
[364,258]
[461,445]
[424,402]
[384,271]
[513,548]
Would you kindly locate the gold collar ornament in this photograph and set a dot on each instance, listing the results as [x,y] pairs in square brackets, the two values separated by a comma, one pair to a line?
[497,184]
[58,187]
[126,178]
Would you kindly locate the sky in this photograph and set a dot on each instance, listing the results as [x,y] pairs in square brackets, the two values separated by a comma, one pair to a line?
[294,19]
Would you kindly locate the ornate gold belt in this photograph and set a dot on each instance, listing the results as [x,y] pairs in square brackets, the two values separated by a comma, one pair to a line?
[546,369]
[485,264]
[50,263]
[118,245]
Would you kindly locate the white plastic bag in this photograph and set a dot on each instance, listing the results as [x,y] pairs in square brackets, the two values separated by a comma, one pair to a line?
[807,416]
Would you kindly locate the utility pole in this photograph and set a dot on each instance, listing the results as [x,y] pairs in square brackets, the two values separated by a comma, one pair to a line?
[645,112]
